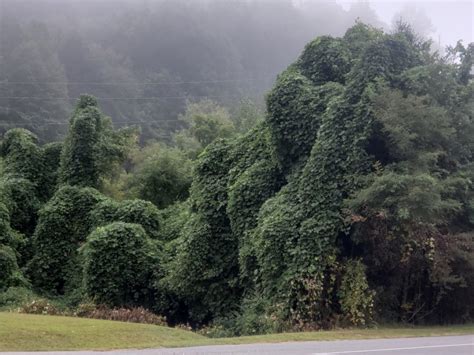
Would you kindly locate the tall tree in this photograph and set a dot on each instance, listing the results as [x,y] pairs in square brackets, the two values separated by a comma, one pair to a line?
[92,147]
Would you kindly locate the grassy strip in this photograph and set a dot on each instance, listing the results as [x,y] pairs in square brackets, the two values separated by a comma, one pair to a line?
[23,332]
[27,332]
[353,334]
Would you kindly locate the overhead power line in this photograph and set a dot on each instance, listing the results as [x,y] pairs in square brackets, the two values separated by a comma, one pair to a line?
[135,82]
[6,123]
[113,121]
[122,98]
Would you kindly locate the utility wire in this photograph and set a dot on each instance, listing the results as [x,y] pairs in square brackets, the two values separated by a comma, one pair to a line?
[120,98]
[129,83]
[134,82]
[67,123]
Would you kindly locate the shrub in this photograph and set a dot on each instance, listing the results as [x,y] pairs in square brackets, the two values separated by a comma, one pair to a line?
[40,306]
[252,319]
[15,297]
[118,263]
[355,297]
[132,315]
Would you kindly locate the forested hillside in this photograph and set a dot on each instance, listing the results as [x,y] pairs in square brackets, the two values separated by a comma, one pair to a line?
[350,203]
[145,60]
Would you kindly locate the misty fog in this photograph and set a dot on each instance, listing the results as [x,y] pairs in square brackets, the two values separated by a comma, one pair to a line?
[145,59]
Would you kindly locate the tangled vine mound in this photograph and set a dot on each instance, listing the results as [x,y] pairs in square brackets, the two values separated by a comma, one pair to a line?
[353,200]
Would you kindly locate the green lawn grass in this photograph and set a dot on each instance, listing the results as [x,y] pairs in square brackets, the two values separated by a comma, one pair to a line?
[23,332]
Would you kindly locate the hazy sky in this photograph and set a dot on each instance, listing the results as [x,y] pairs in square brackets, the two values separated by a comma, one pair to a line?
[451,19]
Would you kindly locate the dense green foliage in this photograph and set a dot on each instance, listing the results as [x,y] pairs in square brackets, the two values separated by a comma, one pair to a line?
[119,260]
[352,202]
[22,156]
[23,203]
[135,211]
[161,175]
[366,137]
[91,147]
[62,227]
[79,165]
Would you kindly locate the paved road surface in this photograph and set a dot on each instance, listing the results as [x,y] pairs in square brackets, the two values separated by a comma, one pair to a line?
[456,345]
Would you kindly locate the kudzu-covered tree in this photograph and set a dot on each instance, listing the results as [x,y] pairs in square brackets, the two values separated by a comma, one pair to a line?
[223,205]
[119,261]
[25,159]
[205,270]
[294,95]
[8,236]
[358,142]
[51,163]
[22,155]
[92,147]
[10,242]
[80,155]
[62,228]
[136,211]
[23,204]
